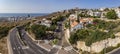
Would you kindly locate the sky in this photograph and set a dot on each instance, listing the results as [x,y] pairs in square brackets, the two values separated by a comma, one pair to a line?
[48,6]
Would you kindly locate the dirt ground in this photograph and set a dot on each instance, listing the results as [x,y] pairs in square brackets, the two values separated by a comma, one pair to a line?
[3,46]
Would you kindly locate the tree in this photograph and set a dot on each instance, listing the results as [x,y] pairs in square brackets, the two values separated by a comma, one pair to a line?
[111,15]
[73,39]
[4,31]
[39,31]
[52,28]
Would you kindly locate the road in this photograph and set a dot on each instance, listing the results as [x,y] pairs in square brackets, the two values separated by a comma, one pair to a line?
[61,33]
[15,43]
[116,52]
[63,42]
[33,45]
[27,46]
[18,47]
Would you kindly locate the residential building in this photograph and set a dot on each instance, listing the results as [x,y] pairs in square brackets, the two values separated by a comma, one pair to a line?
[74,25]
[86,20]
[94,13]
[73,17]
[90,12]
[117,10]
[98,14]
[103,13]
[44,22]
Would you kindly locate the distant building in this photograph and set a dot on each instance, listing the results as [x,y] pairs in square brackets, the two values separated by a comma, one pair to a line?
[98,14]
[73,17]
[90,12]
[94,13]
[103,14]
[86,20]
[117,10]
[45,22]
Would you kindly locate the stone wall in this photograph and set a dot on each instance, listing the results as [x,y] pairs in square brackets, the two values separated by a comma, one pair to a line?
[98,46]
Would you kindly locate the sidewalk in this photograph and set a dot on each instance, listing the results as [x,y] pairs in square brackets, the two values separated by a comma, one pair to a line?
[8,43]
[44,45]
[67,35]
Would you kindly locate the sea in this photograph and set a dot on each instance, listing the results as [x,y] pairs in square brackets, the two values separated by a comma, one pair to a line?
[22,14]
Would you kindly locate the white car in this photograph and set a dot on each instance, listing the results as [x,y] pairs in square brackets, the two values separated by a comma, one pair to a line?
[18,47]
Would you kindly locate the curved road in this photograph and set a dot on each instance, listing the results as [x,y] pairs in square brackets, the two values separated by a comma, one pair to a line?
[17,46]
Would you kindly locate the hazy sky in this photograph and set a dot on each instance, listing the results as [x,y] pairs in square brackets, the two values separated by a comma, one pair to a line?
[47,6]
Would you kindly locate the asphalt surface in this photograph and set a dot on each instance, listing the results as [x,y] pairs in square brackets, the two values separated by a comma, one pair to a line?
[15,44]
[116,52]
[63,42]
[32,45]
[18,47]
[32,48]
[61,33]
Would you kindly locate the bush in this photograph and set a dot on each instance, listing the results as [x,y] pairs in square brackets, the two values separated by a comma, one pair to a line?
[111,15]
[73,39]
[101,24]
[4,31]
[55,41]
[39,30]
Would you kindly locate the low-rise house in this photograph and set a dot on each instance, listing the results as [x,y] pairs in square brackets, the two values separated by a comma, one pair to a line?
[98,14]
[79,25]
[44,22]
[75,26]
[94,13]
[90,12]
[103,14]
[117,10]
[86,20]
[73,17]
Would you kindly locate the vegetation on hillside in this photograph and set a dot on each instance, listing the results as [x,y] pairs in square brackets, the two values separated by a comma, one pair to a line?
[39,31]
[111,15]
[97,31]
[101,24]
[4,31]
[90,36]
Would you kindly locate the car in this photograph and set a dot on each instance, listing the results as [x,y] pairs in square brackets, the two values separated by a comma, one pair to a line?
[18,47]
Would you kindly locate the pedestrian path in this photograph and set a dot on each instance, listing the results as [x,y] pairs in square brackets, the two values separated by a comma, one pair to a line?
[57,46]
[68,48]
